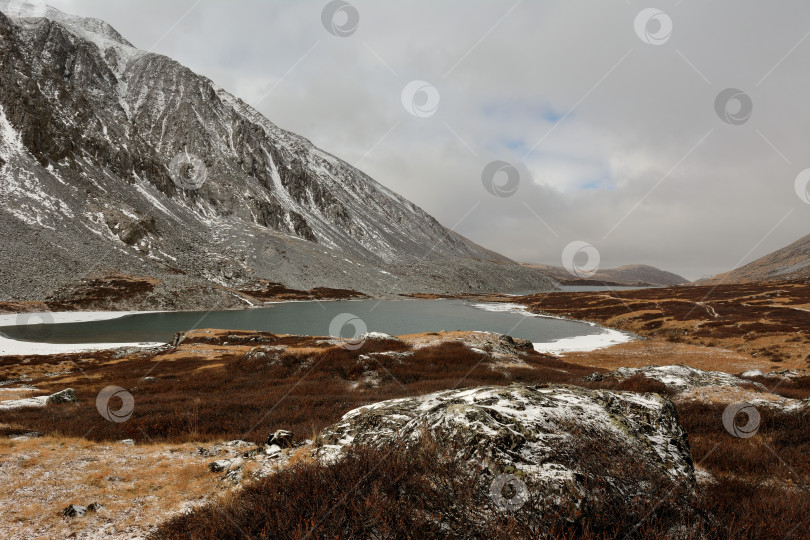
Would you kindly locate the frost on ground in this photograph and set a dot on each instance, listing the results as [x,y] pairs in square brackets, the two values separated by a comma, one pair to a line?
[137,486]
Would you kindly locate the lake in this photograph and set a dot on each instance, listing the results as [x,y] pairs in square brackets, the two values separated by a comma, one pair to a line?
[394,317]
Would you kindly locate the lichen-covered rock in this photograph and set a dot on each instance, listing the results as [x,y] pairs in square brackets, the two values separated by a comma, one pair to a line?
[692,384]
[537,433]
[677,378]
[281,438]
[226,464]
[265,353]
[65,396]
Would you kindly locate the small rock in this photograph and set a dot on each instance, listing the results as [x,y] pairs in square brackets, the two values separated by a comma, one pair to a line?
[281,438]
[74,510]
[516,342]
[65,396]
[238,444]
[128,442]
[226,464]
[150,379]
[219,465]
[95,507]
[26,436]
[272,450]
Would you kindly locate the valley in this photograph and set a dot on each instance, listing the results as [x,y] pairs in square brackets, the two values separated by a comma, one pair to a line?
[211,327]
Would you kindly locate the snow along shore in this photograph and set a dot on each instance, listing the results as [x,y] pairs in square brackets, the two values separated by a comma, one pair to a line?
[13,347]
[559,347]
[608,338]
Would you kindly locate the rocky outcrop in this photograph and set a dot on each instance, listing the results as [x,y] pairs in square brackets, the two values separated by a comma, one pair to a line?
[65,396]
[538,434]
[678,378]
[76,510]
[692,384]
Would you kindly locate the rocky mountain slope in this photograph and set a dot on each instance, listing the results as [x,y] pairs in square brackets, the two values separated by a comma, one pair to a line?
[791,262]
[113,159]
[628,275]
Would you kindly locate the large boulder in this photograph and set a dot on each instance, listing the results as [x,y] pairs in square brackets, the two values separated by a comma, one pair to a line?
[560,441]
[65,396]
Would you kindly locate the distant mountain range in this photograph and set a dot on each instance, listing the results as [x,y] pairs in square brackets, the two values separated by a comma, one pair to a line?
[114,161]
[789,263]
[629,275]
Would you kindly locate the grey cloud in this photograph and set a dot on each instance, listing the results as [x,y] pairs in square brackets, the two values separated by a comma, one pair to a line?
[505,80]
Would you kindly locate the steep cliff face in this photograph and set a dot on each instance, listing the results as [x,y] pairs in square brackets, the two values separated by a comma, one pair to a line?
[117,156]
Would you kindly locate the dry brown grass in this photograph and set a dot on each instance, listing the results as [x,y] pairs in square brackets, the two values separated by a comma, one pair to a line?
[429,492]
[764,321]
[656,351]
[139,486]
[209,392]
[204,391]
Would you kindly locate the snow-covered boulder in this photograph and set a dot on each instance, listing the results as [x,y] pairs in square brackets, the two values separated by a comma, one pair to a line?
[677,378]
[65,396]
[539,434]
[692,384]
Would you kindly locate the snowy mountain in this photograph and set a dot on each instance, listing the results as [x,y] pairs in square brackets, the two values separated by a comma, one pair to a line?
[115,160]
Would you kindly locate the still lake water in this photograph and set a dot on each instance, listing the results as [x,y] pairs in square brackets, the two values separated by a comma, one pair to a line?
[394,317]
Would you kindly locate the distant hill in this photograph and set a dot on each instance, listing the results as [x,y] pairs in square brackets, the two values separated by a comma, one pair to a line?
[791,262]
[628,275]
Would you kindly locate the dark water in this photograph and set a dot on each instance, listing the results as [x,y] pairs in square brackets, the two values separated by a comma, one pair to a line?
[309,318]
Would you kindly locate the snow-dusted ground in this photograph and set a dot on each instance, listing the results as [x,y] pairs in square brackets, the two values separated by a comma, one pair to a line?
[565,345]
[13,347]
[607,338]
[11,319]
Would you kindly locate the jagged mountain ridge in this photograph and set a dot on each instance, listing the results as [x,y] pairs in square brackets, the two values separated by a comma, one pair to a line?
[90,126]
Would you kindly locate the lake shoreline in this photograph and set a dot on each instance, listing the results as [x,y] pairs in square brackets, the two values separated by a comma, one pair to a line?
[18,347]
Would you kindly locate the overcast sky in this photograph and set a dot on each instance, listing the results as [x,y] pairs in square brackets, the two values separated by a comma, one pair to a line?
[608,113]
